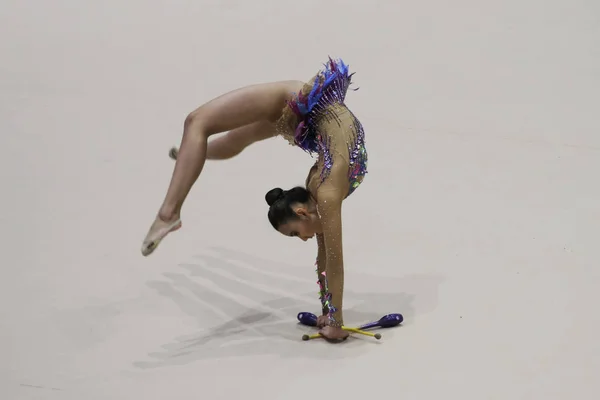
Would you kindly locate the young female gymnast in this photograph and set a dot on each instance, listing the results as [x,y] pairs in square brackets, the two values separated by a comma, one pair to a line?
[312,116]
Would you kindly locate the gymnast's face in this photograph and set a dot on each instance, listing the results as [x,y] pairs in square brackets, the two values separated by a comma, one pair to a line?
[305,226]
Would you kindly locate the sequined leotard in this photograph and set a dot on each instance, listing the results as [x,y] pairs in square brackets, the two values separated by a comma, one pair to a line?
[318,121]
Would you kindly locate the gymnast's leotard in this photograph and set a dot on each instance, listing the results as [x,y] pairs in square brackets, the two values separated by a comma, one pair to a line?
[307,123]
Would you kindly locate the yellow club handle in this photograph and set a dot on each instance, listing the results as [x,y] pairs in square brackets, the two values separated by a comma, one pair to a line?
[309,337]
[347,329]
[356,330]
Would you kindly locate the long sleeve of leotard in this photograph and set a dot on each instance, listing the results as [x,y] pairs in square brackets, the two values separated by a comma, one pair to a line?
[330,196]
[321,264]
[321,257]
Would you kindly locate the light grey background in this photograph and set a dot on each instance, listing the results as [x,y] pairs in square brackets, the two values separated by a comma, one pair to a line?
[477,221]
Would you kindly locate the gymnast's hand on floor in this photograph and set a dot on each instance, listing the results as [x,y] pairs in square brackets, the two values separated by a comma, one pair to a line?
[322,321]
[334,333]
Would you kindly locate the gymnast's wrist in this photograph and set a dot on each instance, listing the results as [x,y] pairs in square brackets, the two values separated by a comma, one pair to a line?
[336,319]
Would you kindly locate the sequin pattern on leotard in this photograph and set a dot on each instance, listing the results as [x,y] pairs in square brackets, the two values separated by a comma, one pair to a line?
[320,102]
[358,159]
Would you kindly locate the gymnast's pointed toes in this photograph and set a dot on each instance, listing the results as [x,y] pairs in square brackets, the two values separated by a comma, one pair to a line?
[158,231]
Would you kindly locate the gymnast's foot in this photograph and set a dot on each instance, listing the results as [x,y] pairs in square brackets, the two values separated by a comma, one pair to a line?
[159,229]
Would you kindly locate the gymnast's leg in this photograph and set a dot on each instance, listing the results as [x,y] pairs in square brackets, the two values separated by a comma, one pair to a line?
[232,110]
[235,141]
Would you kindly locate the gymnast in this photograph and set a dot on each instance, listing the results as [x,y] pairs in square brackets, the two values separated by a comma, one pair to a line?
[312,116]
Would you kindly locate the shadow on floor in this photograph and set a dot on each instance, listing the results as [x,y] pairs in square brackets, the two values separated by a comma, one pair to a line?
[251,303]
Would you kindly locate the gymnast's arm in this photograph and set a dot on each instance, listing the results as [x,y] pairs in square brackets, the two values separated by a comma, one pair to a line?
[321,254]
[329,205]
[321,263]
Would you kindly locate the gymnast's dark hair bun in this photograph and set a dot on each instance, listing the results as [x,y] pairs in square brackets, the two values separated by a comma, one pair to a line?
[273,195]
[280,204]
